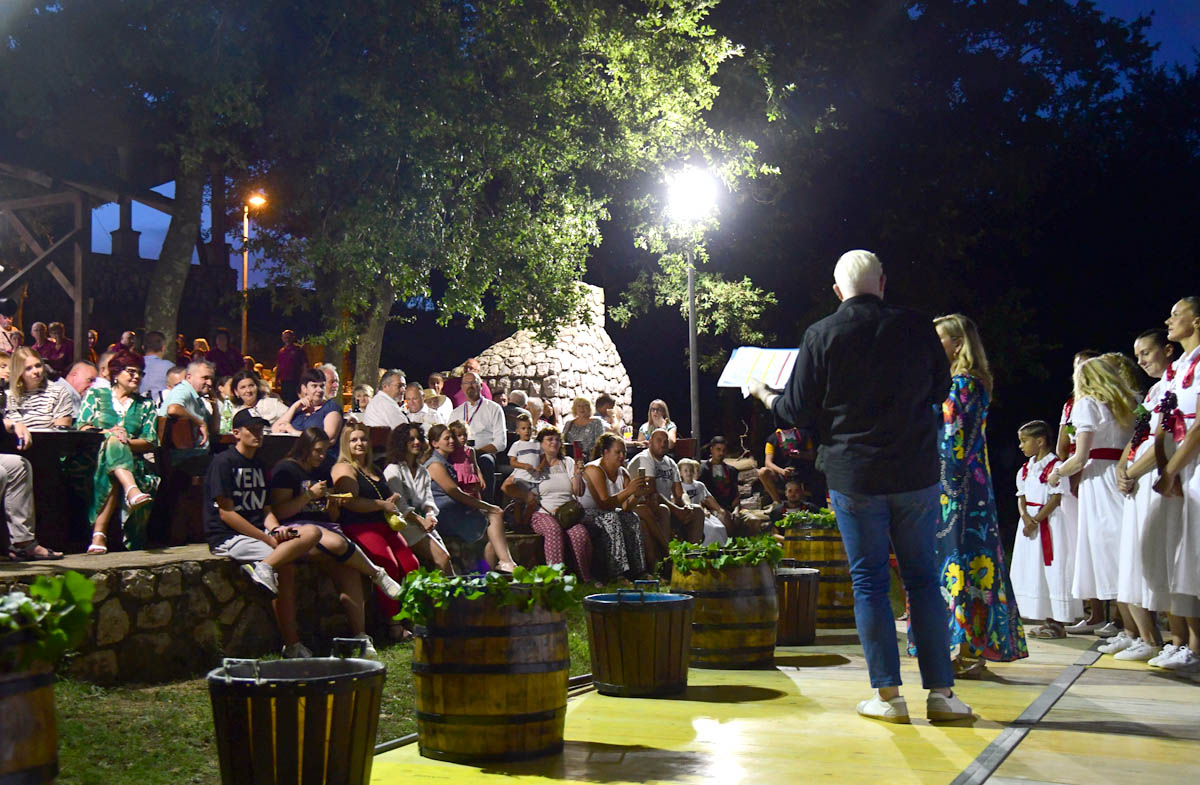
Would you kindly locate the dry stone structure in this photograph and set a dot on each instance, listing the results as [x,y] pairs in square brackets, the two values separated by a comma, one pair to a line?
[581,361]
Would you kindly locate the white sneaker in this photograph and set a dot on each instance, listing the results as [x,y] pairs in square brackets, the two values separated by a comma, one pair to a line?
[1119,642]
[369,652]
[876,708]
[1082,627]
[296,651]
[1182,659]
[262,574]
[387,584]
[1140,651]
[946,708]
[1165,654]
[1108,630]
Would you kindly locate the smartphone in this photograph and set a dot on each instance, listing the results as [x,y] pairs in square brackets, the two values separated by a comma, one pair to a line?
[577,451]
[641,471]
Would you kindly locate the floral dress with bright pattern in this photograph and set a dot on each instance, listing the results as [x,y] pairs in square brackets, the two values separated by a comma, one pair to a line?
[139,420]
[975,581]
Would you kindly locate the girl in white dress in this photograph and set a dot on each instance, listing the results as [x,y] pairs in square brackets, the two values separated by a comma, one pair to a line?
[1103,420]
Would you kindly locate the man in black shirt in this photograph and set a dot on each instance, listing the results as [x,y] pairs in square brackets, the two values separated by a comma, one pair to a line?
[867,379]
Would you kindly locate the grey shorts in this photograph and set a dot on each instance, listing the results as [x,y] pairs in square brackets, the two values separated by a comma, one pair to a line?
[240,548]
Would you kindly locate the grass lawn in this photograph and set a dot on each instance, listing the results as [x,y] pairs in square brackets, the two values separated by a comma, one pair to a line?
[163,734]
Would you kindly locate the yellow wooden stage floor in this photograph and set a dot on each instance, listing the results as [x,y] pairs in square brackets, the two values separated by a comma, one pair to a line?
[1064,715]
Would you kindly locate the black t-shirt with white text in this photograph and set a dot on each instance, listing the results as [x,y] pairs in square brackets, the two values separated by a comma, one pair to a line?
[243,481]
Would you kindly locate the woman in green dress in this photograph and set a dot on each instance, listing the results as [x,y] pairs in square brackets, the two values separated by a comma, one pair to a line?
[124,482]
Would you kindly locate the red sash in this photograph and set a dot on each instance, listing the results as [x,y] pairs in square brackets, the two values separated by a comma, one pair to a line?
[1188,377]
[1105,454]
[1044,536]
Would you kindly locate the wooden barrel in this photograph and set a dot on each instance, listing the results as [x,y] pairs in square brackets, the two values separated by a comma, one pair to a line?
[490,682]
[797,589]
[28,734]
[639,642]
[822,550]
[733,623]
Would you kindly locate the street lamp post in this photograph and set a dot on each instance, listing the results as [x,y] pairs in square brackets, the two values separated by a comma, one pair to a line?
[255,200]
[692,194]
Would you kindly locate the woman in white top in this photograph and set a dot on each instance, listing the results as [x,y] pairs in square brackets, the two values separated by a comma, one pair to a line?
[560,481]
[408,478]
[32,402]
[657,417]
[609,496]
[248,394]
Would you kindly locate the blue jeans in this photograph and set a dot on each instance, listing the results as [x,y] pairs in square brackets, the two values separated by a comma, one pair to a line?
[908,520]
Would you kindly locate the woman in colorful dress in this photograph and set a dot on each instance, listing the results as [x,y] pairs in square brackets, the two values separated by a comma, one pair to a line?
[984,622]
[124,481]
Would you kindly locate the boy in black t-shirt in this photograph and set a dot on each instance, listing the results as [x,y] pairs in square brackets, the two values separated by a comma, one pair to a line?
[719,477]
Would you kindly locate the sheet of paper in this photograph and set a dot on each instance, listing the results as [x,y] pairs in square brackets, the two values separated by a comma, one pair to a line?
[773,367]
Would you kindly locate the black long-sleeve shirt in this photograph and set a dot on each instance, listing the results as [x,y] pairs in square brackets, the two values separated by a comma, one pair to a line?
[867,379]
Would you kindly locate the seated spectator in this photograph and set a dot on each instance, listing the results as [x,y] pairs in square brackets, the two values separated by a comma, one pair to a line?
[154,380]
[453,388]
[124,481]
[789,452]
[415,410]
[224,403]
[333,383]
[466,465]
[289,363]
[11,338]
[560,480]
[383,410]
[609,498]
[32,402]
[486,420]
[175,375]
[439,402]
[248,363]
[223,356]
[64,349]
[361,397]
[364,516]
[524,455]
[583,427]
[514,409]
[460,515]
[719,477]
[717,521]
[794,499]
[298,499]
[311,409]
[93,338]
[606,410]
[102,379]
[16,489]
[657,417]
[41,339]
[534,405]
[500,397]
[248,393]
[5,363]
[124,343]
[668,486]
[408,479]
[200,351]
[183,355]
[77,382]
[188,401]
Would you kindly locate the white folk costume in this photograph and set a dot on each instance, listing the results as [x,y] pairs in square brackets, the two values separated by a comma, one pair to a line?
[1100,503]
[1144,560]
[1070,500]
[1184,378]
[1043,567]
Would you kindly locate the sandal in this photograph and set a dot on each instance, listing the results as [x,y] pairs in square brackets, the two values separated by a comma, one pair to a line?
[32,551]
[98,548]
[1047,633]
[137,500]
[969,669]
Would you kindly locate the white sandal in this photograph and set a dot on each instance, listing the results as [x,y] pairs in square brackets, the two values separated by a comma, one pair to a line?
[96,549]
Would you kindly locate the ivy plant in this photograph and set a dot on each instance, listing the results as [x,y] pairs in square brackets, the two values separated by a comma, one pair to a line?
[545,586]
[41,626]
[808,519]
[739,552]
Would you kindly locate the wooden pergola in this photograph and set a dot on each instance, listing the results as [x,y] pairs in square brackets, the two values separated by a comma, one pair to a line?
[81,197]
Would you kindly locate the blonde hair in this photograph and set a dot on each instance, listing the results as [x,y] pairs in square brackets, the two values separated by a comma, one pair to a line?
[16,370]
[581,401]
[1100,379]
[690,464]
[1127,369]
[971,359]
[344,443]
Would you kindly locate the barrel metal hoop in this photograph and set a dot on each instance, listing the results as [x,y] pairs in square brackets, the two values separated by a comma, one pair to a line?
[834,579]
[26,684]
[835,563]
[735,650]
[736,625]
[34,775]
[506,631]
[762,591]
[492,719]
[478,668]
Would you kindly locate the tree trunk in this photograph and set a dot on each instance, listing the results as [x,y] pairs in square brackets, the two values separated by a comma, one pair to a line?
[370,341]
[171,271]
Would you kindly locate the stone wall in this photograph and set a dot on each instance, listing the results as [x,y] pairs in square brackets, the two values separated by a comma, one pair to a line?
[581,361]
[180,616]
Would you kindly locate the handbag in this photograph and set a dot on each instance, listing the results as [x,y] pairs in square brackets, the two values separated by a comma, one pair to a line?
[569,513]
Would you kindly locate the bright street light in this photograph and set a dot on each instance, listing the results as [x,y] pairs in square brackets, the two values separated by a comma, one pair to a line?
[255,200]
[691,197]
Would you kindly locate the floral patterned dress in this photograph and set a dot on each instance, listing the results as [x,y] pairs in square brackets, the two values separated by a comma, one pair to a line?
[139,421]
[975,580]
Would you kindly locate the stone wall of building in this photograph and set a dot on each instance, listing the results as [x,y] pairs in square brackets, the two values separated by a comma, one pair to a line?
[581,361]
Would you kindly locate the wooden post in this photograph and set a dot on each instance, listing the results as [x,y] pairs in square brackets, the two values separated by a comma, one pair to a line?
[83,244]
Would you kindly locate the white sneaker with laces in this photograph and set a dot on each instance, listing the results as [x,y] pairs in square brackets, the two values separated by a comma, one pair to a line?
[1165,654]
[1181,659]
[946,708]
[296,651]
[1119,642]
[876,708]
[387,584]
[262,574]
[1108,630]
[1140,651]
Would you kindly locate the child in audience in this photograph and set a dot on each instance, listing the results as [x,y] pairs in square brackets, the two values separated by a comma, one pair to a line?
[466,470]
[523,456]
[717,522]
[1044,553]
[794,498]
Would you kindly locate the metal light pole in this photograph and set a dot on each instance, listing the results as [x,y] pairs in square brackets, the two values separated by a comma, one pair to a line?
[693,359]
[256,200]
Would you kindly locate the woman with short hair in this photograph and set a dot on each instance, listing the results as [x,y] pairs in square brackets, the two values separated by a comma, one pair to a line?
[583,427]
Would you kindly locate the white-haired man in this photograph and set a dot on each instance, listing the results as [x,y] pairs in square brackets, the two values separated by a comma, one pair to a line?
[383,410]
[867,378]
